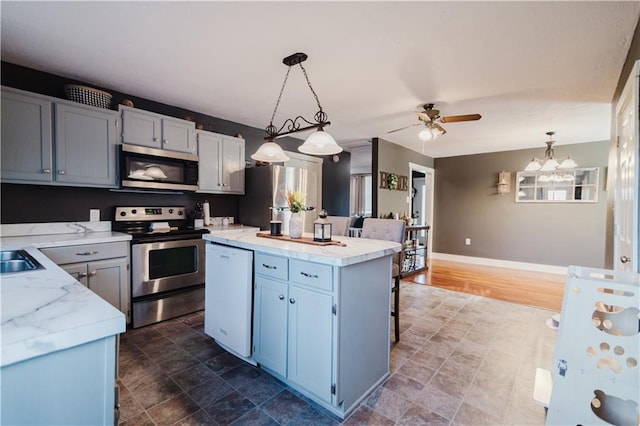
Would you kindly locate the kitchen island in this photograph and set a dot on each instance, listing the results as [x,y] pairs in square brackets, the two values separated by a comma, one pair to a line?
[321,314]
[59,339]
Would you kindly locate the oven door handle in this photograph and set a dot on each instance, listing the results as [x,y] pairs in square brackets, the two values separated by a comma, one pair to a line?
[87,253]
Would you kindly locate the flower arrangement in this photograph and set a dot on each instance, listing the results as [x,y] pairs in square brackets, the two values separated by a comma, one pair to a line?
[295,199]
[392,181]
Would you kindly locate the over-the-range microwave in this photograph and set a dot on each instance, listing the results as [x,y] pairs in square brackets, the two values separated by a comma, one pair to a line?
[151,168]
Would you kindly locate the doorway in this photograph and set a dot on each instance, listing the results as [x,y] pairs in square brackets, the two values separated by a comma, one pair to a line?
[421,200]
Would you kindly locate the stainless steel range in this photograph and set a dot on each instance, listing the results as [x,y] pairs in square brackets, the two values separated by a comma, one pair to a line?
[167,262]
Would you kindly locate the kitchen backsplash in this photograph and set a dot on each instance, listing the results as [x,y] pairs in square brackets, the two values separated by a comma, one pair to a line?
[42,203]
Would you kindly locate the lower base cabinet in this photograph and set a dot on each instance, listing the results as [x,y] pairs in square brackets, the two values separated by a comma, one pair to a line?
[324,330]
[74,386]
[103,268]
[294,334]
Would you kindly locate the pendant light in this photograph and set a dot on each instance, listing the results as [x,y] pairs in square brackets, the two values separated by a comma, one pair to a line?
[318,143]
[270,152]
[549,163]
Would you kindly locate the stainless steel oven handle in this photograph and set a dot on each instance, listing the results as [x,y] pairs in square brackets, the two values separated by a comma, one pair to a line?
[87,253]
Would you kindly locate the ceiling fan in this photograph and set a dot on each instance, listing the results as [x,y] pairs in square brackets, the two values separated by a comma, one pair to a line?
[430,118]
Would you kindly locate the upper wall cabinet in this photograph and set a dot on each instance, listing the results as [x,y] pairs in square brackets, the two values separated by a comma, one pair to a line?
[27,137]
[576,185]
[221,163]
[157,131]
[77,148]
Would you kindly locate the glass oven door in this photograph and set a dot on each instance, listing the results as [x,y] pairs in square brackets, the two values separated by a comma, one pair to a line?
[168,265]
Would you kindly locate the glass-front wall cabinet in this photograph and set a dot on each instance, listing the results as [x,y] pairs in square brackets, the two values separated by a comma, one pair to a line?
[559,186]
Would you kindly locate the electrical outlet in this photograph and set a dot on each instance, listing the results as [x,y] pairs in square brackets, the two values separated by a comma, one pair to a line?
[94,215]
[467,241]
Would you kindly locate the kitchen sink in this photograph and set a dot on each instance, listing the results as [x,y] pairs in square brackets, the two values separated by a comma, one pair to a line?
[17,261]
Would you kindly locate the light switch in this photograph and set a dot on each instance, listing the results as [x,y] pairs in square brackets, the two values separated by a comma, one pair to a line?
[94,215]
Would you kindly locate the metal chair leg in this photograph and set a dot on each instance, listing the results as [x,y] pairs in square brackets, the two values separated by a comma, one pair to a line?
[396,307]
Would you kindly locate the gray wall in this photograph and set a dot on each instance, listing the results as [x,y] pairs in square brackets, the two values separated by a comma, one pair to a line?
[392,158]
[467,206]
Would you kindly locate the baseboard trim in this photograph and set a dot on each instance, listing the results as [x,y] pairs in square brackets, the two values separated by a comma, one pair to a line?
[498,263]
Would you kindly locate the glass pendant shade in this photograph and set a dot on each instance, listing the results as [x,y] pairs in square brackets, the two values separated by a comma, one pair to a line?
[568,163]
[270,152]
[320,143]
[425,135]
[533,166]
[550,165]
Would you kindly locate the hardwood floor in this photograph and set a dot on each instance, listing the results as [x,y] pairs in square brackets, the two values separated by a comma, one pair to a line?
[538,289]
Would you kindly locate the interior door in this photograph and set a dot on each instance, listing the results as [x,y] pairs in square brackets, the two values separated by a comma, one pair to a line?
[626,200]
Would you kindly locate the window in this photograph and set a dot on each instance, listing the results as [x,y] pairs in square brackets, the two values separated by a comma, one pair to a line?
[577,185]
[361,193]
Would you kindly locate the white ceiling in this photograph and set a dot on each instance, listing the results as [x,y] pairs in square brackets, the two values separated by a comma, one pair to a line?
[526,67]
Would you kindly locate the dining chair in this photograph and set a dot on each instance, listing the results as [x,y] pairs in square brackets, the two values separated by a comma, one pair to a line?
[339,225]
[389,230]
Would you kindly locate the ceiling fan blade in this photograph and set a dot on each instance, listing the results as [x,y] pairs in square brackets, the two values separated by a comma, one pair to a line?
[457,118]
[405,127]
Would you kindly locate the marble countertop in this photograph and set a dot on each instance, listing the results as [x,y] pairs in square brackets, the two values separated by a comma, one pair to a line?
[356,250]
[46,310]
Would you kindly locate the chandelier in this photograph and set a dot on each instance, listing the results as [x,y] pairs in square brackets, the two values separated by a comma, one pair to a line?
[318,143]
[549,163]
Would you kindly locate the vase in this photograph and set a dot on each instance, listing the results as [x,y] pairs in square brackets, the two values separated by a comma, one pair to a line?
[295,225]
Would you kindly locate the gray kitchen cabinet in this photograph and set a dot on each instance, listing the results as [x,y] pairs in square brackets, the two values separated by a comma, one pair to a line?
[270,324]
[85,145]
[78,148]
[310,337]
[294,322]
[221,165]
[103,268]
[146,128]
[73,386]
[27,137]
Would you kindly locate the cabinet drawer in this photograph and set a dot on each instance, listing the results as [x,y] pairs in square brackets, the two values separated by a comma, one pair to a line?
[271,266]
[86,252]
[312,274]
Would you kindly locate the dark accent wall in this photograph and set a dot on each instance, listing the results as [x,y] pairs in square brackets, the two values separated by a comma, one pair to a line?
[336,184]
[25,203]
[467,205]
[43,203]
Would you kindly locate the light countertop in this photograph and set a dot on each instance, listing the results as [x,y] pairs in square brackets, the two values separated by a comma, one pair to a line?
[46,310]
[356,250]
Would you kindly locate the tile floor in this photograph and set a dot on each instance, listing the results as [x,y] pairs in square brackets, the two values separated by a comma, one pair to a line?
[461,360]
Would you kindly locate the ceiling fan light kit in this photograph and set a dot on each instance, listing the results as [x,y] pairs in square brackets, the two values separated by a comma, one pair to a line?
[318,143]
[430,118]
[549,163]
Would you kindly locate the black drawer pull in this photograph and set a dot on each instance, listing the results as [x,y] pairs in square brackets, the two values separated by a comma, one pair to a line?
[308,275]
[269,266]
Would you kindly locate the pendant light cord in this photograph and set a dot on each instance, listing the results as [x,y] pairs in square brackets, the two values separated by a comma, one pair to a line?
[304,71]
[284,83]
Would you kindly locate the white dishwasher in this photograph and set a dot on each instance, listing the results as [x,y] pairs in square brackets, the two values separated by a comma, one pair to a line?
[228,298]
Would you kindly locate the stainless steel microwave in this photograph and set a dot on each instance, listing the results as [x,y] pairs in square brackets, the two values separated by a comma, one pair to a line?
[151,168]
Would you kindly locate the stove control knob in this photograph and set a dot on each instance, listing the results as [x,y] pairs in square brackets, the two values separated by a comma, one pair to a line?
[123,213]
[134,211]
[170,211]
[180,212]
